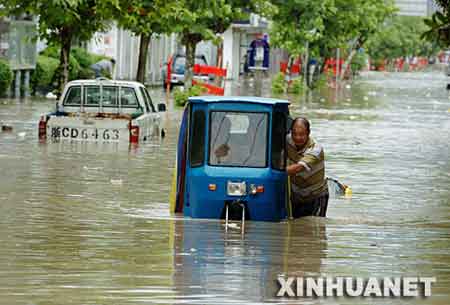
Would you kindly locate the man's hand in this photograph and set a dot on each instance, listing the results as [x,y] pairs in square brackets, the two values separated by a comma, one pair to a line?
[294,169]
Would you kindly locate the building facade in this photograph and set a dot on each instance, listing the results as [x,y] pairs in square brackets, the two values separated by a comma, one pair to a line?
[420,8]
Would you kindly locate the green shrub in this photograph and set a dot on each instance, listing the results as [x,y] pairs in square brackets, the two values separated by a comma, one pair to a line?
[181,96]
[74,66]
[86,73]
[322,81]
[42,76]
[51,51]
[278,84]
[86,59]
[297,86]
[6,76]
[358,62]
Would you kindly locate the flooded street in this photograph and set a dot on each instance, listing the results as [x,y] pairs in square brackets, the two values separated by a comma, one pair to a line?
[87,223]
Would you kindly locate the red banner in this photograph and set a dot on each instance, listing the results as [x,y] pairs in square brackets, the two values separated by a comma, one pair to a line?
[199,69]
[211,88]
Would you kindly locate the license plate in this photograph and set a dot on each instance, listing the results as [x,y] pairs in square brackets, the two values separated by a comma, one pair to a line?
[85,133]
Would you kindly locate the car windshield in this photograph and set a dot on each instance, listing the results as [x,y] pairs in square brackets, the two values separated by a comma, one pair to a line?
[238,139]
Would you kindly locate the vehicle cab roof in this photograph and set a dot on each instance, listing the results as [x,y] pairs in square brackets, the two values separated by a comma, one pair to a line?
[104,81]
[237,99]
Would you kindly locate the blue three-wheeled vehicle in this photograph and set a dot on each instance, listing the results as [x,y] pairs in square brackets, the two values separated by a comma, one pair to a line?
[231,159]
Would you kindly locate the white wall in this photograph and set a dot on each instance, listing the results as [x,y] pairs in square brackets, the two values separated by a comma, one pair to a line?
[123,46]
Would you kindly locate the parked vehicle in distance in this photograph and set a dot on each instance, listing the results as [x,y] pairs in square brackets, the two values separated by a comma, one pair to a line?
[177,67]
[103,110]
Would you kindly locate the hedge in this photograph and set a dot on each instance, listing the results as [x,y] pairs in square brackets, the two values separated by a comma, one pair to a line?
[6,76]
[42,76]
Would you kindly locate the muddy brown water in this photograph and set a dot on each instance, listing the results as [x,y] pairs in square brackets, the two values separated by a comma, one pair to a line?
[87,223]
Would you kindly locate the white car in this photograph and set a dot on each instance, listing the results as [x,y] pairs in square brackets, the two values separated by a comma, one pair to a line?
[103,110]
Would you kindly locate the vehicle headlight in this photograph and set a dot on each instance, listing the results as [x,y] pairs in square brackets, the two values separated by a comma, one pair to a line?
[236,188]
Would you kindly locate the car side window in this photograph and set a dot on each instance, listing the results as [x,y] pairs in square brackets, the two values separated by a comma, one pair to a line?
[109,97]
[128,98]
[147,107]
[73,96]
[92,96]
[149,99]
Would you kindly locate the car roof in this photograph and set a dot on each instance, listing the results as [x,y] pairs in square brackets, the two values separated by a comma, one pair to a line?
[234,99]
[104,81]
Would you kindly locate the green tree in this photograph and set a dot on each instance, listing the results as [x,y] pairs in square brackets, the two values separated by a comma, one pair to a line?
[298,22]
[438,26]
[144,18]
[203,20]
[61,22]
[321,27]
[354,22]
[400,36]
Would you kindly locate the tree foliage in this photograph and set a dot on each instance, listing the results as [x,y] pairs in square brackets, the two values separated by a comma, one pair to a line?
[438,26]
[63,21]
[203,20]
[400,36]
[296,22]
[145,18]
[327,24]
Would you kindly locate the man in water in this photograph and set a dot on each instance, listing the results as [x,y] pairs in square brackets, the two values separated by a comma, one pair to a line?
[306,168]
[104,66]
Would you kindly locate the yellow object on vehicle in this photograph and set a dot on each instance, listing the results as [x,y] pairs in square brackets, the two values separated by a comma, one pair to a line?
[348,192]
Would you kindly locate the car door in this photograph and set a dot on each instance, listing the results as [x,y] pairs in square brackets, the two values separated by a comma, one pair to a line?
[154,119]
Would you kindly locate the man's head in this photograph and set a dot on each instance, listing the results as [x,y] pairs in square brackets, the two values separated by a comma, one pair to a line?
[300,131]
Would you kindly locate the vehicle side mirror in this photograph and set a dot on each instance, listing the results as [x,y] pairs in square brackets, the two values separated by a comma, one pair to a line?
[161,107]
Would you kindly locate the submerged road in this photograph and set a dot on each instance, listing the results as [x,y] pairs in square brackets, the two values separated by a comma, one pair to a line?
[86,223]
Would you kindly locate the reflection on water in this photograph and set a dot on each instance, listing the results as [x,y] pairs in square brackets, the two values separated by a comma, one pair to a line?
[87,223]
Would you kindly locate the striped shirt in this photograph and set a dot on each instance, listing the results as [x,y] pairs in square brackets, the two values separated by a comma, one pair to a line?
[310,183]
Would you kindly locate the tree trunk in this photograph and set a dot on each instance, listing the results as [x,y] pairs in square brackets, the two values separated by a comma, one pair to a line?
[348,61]
[64,59]
[358,43]
[143,52]
[305,64]
[190,61]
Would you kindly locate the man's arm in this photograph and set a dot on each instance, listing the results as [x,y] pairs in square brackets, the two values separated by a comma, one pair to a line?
[311,158]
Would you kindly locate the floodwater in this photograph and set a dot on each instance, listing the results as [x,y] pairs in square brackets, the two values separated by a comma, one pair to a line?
[86,223]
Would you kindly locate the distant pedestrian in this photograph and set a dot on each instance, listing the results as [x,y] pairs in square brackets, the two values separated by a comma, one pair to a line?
[104,66]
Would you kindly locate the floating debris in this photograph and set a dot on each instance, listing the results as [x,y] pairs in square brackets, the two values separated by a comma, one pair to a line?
[7,128]
[51,96]
[116,181]
[22,134]
[365,98]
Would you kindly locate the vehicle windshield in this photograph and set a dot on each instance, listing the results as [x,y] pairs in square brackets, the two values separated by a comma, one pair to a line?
[238,139]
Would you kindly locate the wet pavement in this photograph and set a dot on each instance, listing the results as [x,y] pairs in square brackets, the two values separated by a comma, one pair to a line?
[86,223]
